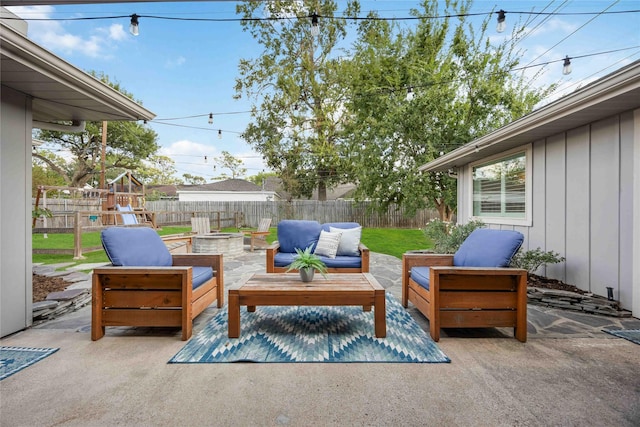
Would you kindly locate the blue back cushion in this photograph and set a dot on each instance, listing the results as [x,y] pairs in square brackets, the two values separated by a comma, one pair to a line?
[141,247]
[485,247]
[299,234]
[345,225]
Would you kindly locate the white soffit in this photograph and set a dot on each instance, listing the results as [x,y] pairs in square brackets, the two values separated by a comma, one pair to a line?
[59,91]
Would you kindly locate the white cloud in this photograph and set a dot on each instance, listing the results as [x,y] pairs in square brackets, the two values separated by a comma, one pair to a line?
[117,32]
[53,35]
[189,157]
[175,62]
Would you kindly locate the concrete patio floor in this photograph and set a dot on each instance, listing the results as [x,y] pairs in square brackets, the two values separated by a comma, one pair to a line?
[568,373]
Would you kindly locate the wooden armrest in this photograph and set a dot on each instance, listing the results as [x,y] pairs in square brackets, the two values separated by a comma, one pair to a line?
[272,250]
[493,271]
[425,260]
[133,270]
[274,247]
[198,260]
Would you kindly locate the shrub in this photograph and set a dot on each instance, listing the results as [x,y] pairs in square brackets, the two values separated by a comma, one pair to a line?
[41,212]
[448,237]
[531,260]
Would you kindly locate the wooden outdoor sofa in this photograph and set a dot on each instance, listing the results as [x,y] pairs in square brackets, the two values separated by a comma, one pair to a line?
[352,256]
[472,288]
[147,286]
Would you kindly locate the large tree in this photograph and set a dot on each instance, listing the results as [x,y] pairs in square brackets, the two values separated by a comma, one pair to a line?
[461,86]
[298,112]
[158,170]
[128,143]
[233,164]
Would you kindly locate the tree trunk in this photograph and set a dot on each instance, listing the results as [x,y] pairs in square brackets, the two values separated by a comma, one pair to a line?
[444,211]
[322,191]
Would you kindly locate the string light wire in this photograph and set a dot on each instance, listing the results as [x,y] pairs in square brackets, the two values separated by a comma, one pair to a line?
[318,16]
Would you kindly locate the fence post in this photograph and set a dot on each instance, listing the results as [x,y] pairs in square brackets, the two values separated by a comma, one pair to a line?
[77,236]
[219,227]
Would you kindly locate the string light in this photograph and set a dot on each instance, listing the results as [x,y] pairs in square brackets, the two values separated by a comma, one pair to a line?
[566,66]
[502,25]
[315,30]
[210,118]
[134,27]
[410,94]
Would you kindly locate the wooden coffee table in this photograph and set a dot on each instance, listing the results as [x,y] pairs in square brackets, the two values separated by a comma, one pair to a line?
[287,289]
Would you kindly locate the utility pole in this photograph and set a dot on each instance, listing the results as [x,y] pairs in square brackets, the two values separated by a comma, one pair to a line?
[103,184]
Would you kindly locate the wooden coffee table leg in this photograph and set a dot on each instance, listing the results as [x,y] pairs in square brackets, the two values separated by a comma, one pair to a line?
[234,314]
[380,313]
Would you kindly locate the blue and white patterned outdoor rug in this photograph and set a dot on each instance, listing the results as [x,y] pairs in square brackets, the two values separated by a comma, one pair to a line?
[632,335]
[14,359]
[312,334]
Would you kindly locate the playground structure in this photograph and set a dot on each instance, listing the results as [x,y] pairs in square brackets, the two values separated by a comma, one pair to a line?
[124,190]
[122,203]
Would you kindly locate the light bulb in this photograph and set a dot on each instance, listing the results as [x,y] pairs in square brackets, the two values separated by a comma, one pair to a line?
[566,67]
[134,27]
[410,94]
[315,30]
[210,118]
[502,25]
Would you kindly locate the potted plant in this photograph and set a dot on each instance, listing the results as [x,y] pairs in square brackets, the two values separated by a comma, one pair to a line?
[307,263]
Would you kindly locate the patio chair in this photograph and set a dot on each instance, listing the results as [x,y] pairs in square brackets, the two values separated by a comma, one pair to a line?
[147,286]
[472,288]
[127,219]
[200,225]
[261,233]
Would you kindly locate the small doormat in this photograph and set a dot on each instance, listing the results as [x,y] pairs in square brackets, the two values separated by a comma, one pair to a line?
[312,334]
[632,335]
[15,359]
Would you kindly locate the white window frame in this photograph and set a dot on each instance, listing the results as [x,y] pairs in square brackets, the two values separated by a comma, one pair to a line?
[527,220]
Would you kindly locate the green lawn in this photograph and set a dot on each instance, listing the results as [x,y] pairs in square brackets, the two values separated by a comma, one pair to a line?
[390,241]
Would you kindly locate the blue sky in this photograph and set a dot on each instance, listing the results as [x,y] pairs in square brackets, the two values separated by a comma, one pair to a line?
[187,68]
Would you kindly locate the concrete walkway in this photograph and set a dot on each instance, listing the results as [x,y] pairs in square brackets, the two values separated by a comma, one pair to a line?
[568,373]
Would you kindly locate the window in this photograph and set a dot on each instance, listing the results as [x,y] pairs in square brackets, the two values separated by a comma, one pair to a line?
[501,188]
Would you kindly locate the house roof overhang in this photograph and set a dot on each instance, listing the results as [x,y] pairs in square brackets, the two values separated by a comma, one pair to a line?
[613,94]
[59,91]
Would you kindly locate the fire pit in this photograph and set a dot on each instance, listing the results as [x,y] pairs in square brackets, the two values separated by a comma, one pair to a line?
[228,244]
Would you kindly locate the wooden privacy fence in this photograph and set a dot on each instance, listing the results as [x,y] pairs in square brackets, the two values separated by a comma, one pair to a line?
[86,221]
[239,214]
[328,211]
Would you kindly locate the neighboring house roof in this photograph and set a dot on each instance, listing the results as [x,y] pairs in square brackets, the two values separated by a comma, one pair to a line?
[226,185]
[606,97]
[168,190]
[59,90]
[340,191]
[273,183]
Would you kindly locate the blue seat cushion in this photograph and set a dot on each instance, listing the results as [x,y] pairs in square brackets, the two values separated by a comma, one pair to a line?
[485,247]
[299,234]
[141,247]
[283,259]
[420,275]
[200,275]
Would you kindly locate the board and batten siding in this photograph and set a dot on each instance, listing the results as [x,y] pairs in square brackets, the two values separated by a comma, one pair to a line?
[583,192]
